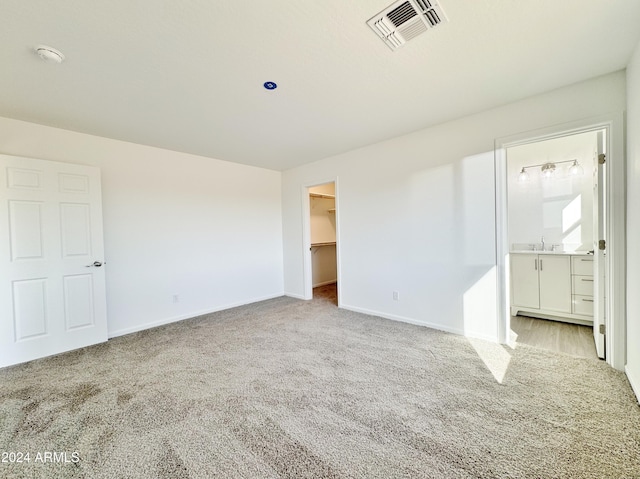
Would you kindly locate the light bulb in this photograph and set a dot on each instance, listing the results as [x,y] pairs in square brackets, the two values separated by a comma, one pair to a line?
[576,169]
[523,176]
[548,169]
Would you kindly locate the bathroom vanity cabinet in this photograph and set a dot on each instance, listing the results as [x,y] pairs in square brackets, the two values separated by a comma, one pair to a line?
[555,286]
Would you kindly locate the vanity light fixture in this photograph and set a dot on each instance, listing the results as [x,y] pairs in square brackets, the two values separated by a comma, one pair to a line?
[548,169]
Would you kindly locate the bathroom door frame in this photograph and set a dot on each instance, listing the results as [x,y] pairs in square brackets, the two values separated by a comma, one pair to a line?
[307,275]
[615,310]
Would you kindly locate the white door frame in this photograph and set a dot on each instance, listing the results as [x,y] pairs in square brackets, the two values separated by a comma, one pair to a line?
[307,274]
[615,321]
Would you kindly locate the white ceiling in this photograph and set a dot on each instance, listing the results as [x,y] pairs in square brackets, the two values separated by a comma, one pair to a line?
[187,75]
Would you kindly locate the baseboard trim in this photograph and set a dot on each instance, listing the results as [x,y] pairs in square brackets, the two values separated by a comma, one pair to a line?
[194,314]
[295,296]
[561,317]
[417,322]
[634,381]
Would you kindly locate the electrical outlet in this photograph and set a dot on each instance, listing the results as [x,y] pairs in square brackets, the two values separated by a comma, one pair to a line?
[176,298]
[396,296]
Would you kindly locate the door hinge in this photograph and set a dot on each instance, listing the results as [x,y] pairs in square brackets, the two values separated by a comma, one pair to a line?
[602,244]
[602,158]
[603,329]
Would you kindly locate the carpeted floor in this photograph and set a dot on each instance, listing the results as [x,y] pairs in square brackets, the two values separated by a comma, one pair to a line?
[287,388]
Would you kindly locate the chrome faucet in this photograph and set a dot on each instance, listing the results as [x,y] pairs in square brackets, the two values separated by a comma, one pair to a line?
[542,243]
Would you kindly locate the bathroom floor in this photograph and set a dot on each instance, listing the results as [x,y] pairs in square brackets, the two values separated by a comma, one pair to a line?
[555,336]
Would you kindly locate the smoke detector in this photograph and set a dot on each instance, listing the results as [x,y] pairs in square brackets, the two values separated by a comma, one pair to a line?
[49,54]
[406,19]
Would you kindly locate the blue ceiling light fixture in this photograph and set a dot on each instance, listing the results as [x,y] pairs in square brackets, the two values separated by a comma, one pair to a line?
[270,85]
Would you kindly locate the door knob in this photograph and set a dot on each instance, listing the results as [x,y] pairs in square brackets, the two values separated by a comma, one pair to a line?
[96,264]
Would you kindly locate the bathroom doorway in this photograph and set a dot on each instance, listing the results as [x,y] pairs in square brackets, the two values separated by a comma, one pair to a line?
[555,227]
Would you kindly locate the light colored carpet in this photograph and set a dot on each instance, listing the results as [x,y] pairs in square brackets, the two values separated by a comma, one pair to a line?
[288,388]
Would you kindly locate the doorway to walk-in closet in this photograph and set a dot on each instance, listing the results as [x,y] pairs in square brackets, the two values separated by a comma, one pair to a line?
[556,194]
[322,223]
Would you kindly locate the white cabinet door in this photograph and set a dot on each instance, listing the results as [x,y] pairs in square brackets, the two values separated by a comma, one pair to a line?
[52,294]
[555,283]
[524,280]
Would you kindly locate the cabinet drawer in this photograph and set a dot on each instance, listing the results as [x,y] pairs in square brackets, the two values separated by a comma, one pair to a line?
[582,265]
[582,305]
[583,285]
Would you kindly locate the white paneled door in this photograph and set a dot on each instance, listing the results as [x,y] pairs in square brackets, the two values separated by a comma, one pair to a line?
[600,265]
[52,278]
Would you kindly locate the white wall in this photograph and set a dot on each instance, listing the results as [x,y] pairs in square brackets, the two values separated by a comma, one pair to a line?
[207,230]
[416,214]
[633,221]
[559,208]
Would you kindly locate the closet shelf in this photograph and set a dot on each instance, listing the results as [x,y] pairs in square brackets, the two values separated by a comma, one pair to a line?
[328,243]
[322,195]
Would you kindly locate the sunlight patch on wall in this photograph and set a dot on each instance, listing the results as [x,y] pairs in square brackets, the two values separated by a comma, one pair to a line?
[477,202]
[572,214]
[574,237]
[480,308]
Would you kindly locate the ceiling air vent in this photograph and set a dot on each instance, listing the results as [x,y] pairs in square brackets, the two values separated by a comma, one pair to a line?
[405,20]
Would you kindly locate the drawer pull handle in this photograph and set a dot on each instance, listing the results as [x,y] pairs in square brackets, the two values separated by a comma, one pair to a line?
[588,300]
[589,260]
[586,280]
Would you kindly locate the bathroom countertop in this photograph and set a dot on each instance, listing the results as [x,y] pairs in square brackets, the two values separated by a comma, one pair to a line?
[566,253]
